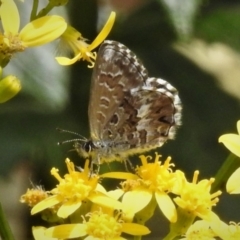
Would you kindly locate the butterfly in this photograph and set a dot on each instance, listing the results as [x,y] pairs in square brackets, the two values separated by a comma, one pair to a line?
[129,112]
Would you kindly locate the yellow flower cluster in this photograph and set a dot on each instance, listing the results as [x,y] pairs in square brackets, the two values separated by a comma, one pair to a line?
[79,197]
[40,30]
[88,211]
[100,214]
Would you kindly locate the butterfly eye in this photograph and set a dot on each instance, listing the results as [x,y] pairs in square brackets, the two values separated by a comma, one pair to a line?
[88,146]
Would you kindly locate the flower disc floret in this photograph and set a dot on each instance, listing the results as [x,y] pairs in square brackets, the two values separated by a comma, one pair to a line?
[98,225]
[156,176]
[33,196]
[74,186]
[103,226]
[195,197]
[152,184]
[72,190]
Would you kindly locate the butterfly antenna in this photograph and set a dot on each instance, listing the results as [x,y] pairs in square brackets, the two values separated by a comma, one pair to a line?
[74,133]
[72,140]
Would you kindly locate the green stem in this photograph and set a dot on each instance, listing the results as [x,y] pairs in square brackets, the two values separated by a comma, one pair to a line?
[229,166]
[137,237]
[45,10]
[184,221]
[5,231]
[34,10]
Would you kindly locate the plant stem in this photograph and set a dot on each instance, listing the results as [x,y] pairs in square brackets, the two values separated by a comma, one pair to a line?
[5,231]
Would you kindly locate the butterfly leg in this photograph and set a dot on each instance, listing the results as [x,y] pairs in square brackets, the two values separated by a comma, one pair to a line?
[127,163]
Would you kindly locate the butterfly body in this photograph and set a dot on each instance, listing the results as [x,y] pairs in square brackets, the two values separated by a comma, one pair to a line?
[128,112]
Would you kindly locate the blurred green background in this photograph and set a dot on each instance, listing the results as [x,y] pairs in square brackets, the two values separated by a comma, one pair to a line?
[192,44]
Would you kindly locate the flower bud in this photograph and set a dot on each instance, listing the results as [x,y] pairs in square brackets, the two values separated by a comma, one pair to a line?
[9,87]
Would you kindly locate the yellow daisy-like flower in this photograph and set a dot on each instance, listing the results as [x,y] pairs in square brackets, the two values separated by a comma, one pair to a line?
[35,33]
[78,45]
[200,230]
[152,180]
[196,199]
[72,190]
[98,226]
[232,141]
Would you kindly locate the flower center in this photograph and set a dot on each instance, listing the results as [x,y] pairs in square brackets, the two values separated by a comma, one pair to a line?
[103,226]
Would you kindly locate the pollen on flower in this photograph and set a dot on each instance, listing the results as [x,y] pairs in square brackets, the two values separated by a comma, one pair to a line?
[9,44]
[103,226]
[196,198]
[33,196]
[129,185]
[75,185]
[73,189]
[156,176]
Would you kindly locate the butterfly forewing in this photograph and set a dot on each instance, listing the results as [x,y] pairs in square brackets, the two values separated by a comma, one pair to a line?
[116,73]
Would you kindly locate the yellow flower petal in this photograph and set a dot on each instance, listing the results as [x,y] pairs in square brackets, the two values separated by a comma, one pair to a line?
[167,206]
[238,127]
[104,32]
[105,201]
[119,175]
[67,231]
[232,142]
[9,16]
[115,194]
[68,208]
[135,229]
[136,200]
[39,234]
[67,61]
[46,203]
[101,189]
[233,183]
[42,30]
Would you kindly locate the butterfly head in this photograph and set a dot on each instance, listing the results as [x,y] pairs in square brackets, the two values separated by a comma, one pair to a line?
[84,148]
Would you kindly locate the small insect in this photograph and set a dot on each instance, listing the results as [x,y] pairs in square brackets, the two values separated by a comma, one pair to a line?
[129,112]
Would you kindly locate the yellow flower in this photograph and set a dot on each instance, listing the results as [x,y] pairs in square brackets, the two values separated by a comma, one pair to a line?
[74,189]
[200,230]
[35,33]
[152,180]
[78,44]
[225,231]
[98,226]
[196,199]
[33,196]
[9,87]
[232,141]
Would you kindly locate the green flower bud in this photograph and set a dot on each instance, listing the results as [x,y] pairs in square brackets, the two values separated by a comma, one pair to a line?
[9,87]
